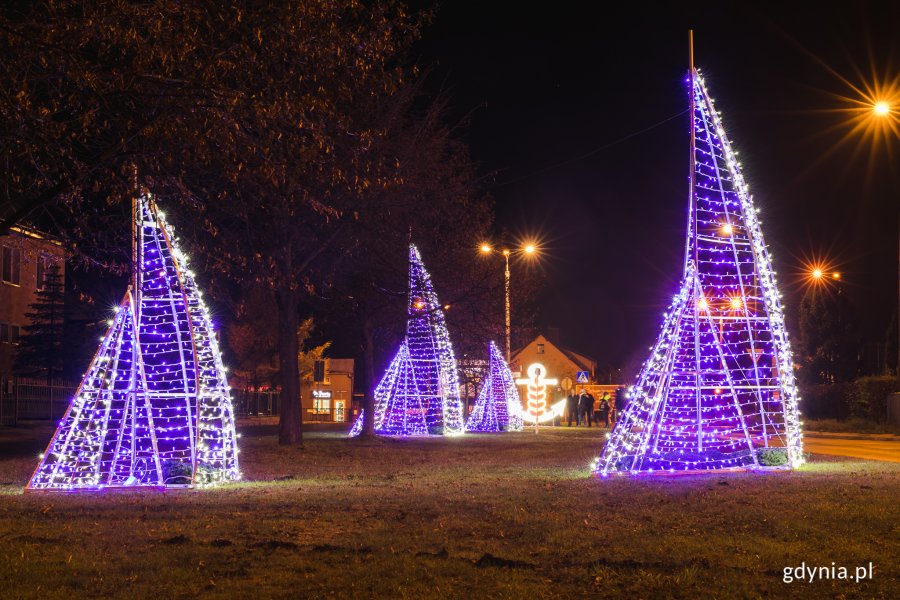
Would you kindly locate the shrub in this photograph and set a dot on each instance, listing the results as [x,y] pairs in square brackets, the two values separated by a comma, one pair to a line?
[176,472]
[867,397]
[772,457]
[824,401]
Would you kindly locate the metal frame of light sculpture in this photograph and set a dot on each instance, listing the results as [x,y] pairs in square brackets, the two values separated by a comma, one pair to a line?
[719,383]
[497,406]
[156,391]
[422,380]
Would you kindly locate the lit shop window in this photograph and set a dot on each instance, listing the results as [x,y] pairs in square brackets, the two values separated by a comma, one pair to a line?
[322,402]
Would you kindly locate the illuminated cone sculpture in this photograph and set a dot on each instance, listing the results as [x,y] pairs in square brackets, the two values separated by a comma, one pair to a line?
[154,407]
[419,393]
[498,407]
[718,388]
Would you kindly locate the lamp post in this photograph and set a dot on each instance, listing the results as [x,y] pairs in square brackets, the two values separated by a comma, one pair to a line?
[883,111]
[875,115]
[528,249]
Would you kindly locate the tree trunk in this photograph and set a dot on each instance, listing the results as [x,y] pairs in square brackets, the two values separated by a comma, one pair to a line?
[289,432]
[368,400]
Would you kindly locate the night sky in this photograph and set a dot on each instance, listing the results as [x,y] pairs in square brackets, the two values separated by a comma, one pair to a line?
[581,115]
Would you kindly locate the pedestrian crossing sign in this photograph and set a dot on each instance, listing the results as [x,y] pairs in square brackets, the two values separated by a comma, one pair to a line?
[582,377]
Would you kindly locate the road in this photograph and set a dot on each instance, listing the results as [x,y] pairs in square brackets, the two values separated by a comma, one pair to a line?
[885,448]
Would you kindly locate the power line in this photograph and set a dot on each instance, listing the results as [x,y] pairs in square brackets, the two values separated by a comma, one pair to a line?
[589,154]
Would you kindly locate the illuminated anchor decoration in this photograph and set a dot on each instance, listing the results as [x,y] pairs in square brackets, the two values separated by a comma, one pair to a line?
[537,410]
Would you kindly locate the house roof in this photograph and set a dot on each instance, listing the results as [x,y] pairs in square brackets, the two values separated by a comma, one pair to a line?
[585,363]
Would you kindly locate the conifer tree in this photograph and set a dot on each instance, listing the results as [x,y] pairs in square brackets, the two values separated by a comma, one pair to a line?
[40,351]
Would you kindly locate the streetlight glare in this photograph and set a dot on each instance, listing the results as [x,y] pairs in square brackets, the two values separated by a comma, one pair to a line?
[882,109]
[835,275]
[530,249]
[726,229]
[486,248]
[817,273]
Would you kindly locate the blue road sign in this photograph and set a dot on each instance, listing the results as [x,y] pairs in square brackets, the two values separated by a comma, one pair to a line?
[582,377]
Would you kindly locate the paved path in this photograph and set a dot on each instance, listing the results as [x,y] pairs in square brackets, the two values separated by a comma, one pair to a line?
[885,448]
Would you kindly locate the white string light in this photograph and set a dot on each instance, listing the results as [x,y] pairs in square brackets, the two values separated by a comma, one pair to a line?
[419,393]
[719,383]
[154,407]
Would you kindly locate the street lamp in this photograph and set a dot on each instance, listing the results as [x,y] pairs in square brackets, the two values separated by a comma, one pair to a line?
[882,111]
[819,275]
[530,250]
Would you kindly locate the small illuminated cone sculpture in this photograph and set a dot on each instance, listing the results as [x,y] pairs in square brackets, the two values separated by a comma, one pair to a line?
[719,383]
[154,401]
[497,407]
[419,393]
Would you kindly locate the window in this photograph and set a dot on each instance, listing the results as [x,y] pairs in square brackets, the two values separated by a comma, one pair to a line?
[540,348]
[321,402]
[40,281]
[12,265]
[9,334]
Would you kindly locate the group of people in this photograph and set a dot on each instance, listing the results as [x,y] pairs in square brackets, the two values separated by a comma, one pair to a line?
[581,409]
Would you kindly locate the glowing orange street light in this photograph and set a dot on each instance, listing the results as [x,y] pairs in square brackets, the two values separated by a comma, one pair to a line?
[529,249]
[735,303]
[817,273]
[703,304]
[726,229]
[882,109]
[835,275]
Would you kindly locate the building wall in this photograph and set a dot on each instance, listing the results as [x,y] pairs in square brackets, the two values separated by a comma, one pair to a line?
[330,401]
[555,360]
[18,286]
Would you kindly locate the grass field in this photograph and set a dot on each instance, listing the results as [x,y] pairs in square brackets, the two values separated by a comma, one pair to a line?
[487,516]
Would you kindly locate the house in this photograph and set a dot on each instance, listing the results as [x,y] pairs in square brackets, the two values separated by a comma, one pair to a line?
[26,256]
[329,401]
[561,363]
[558,361]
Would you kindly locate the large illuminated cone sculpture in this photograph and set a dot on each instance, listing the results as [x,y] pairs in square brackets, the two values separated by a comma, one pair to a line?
[719,384]
[419,393]
[497,407]
[154,407]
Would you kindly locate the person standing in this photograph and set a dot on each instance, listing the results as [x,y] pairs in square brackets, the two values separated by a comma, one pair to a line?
[586,404]
[572,409]
[604,410]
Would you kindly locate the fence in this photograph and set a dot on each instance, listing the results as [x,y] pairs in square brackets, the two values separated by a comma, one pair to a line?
[23,398]
[27,398]
[255,403]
